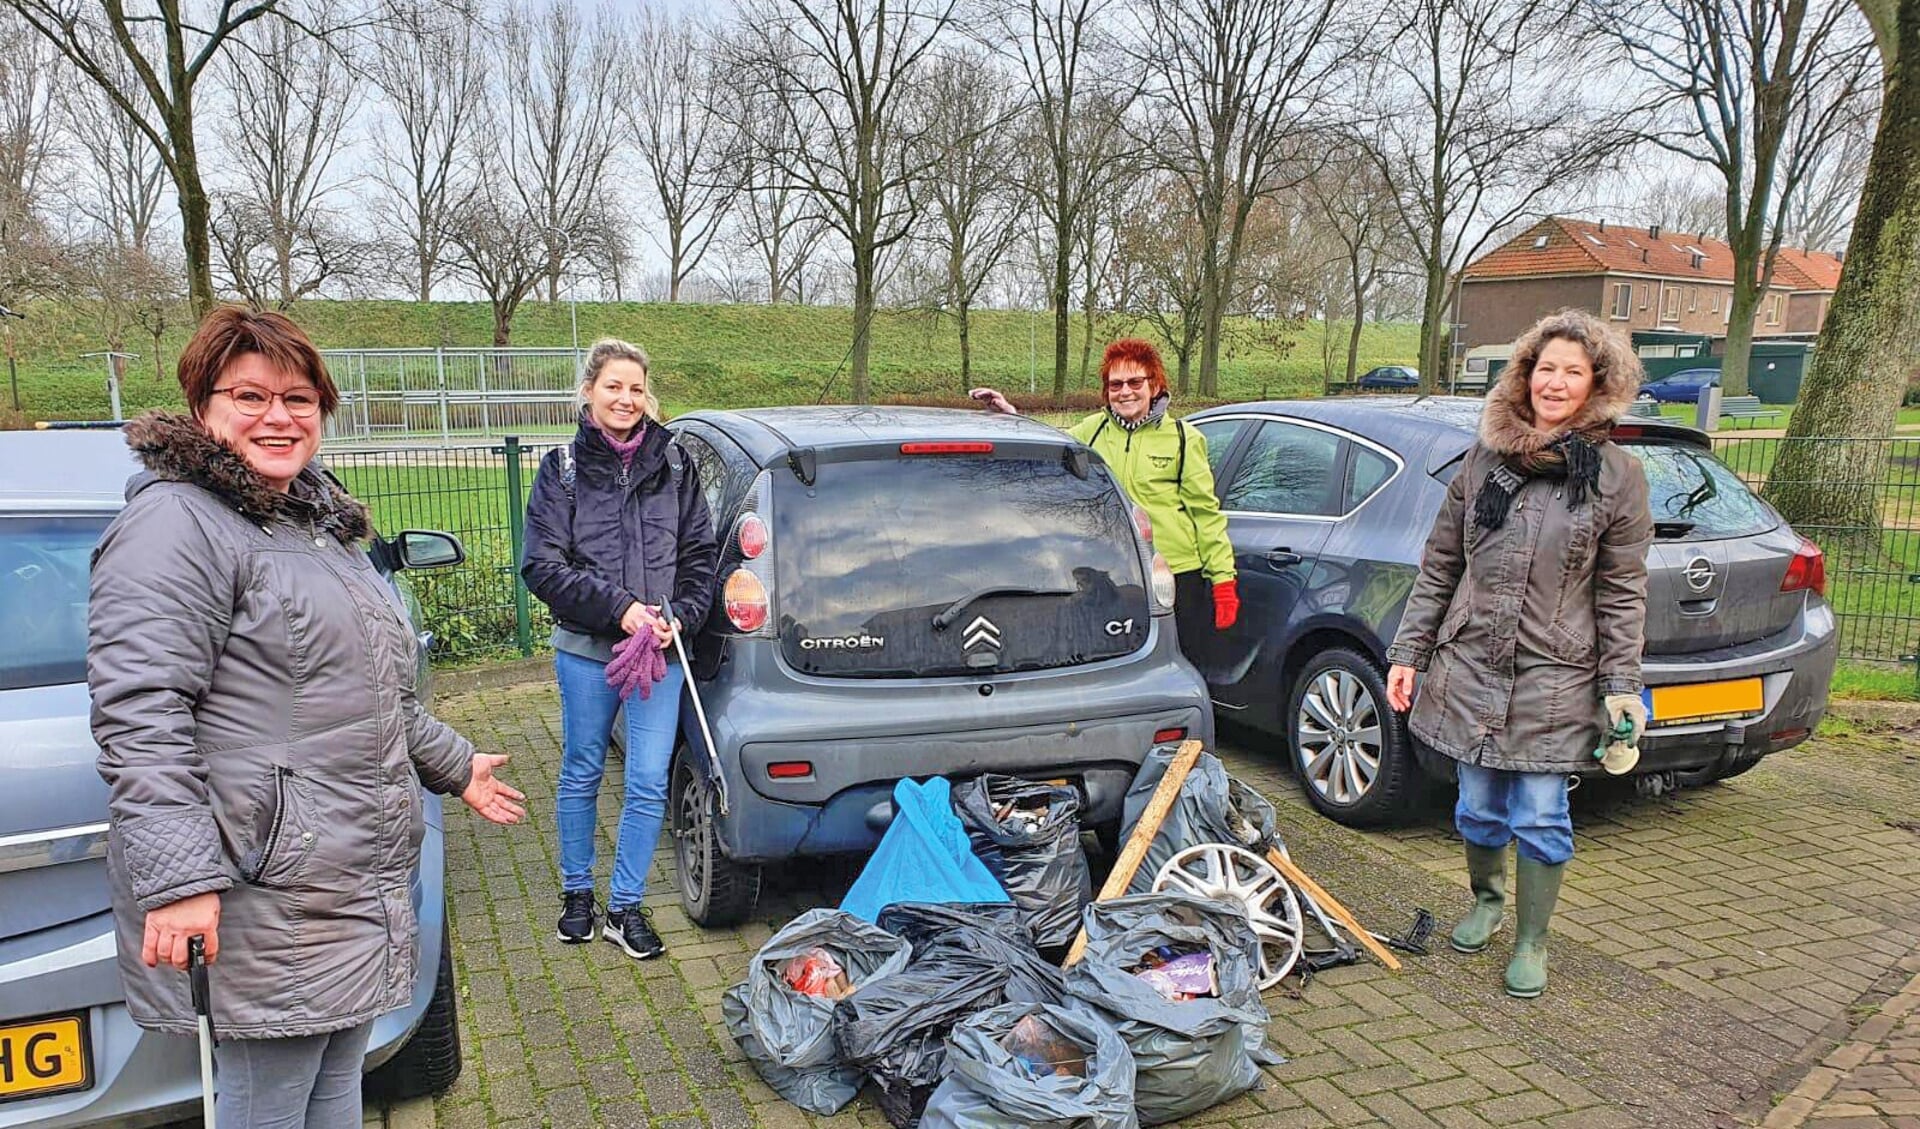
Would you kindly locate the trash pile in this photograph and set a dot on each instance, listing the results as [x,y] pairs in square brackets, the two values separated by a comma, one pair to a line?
[933,980]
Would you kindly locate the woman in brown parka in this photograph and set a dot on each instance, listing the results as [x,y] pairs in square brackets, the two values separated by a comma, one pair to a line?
[1527,618]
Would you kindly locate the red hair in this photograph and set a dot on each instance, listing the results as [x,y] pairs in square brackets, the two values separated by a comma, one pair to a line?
[1137,351]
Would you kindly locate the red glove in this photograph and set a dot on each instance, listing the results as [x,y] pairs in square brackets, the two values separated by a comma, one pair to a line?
[1226,604]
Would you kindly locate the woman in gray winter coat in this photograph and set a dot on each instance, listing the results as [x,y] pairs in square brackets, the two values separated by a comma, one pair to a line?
[1527,618]
[253,700]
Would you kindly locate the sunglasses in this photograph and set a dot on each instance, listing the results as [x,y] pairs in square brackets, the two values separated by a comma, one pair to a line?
[255,401]
[1131,383]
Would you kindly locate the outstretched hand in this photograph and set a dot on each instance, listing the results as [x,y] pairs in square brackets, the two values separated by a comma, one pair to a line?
[993,401]
[1400,687]
[493,798]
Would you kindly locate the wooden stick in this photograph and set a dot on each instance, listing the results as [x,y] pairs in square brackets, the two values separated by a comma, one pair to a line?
[1339,912]
[1135,850]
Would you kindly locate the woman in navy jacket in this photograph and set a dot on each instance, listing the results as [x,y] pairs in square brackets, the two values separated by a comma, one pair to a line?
[620,546]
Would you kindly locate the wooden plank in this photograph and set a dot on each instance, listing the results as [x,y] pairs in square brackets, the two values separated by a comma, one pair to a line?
[1334,909]
[1135,850]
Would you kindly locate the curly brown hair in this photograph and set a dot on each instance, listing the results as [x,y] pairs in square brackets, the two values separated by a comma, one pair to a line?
[1616,368]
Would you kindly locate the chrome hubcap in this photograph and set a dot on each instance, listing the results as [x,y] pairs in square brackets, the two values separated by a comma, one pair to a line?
[1215,870]
[1338,735]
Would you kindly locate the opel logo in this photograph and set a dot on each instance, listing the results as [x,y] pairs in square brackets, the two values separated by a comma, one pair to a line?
[1699,574]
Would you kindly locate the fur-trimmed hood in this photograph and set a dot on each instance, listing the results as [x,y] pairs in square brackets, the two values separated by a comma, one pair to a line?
[176,448]
[1506,423]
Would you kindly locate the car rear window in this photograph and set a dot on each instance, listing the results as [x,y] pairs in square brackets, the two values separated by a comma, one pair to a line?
[44,563]
[1030,566]
[1695,497]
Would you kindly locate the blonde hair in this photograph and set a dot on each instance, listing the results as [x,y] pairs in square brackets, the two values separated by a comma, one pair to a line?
[610,349]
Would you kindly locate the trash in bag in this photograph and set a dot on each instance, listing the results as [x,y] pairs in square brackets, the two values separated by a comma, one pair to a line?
[1212,808]
[1179,976]
[896,1028]
[992,933]
[924,856]
[1187,1055]
[994,1079]
[788,1035]
[1028,834]
[816,973]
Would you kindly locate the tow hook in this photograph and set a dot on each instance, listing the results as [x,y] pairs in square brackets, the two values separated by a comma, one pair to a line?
[1653,785]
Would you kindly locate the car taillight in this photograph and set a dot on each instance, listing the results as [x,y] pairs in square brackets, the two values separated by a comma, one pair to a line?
[1807,572]
[946,448]
[790,770]
[1169,736]
[1162,582]
[1143,523]
[746,599]
[752,536]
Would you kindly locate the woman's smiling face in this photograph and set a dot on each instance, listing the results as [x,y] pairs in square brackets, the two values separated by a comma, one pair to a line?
[1562,381]
[279,442]
[617,399]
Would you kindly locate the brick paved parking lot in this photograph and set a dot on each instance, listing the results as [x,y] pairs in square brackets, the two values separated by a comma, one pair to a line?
[1735,954]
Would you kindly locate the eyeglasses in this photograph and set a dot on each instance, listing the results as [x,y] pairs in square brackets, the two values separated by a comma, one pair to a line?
[1131,383]
[253,400]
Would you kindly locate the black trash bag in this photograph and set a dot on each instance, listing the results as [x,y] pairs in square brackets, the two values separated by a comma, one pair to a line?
[1040,863]
[1190,1055]
[992,933]
[787,1035]
[1212,808]
[896,1028]
[987,1087]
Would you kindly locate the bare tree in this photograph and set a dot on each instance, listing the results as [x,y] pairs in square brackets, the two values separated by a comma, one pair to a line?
[1163,247]
[27,147]
[128,178]
[1753,93]
[841,74]
[1472,136]
[777,225]
[499,249]
[1354,205]
[1820,210]
[1228,84]
[290,98]
[180,43]
[563,86]
[1077,104]
[431,75]
[975,213]
[1869,349]
[675,119]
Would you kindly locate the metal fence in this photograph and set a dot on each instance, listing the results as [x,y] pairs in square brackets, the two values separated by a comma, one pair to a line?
[451,395]
[478,490]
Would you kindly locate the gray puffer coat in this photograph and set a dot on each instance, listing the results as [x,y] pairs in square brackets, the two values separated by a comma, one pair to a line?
[253,700]
[1522,629]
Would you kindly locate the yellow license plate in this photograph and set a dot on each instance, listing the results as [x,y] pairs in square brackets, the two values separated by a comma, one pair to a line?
[1705,701]
[46,1056]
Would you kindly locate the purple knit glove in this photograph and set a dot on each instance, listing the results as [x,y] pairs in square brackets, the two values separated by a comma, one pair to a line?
[637,664]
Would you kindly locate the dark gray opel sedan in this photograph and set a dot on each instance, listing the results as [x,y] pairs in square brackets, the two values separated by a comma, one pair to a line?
[1329,503]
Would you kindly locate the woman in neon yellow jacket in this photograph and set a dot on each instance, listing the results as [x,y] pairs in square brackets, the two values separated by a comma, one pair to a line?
[1162,465]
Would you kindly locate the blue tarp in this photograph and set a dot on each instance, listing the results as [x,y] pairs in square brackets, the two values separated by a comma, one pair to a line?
[924,856]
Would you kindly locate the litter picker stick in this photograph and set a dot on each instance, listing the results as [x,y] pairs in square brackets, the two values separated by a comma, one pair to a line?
[700,711]
[1340,913]
[1135,851]
[203,1012]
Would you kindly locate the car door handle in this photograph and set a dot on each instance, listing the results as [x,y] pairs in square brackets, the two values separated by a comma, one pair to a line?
[1281,558]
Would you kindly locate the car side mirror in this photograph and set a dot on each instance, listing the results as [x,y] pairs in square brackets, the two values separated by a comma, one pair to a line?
[425,548]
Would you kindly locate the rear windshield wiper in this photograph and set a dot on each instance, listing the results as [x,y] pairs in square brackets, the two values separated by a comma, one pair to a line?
[1668,530]
[945,619]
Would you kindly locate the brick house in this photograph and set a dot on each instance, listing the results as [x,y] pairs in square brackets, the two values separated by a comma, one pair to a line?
[1641,278]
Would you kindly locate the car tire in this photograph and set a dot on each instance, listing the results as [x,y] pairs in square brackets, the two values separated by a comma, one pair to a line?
[715,891]
[430,1061]
[1337,699]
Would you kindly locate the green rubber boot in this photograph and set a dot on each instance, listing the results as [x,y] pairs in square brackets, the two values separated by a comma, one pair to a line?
[1487,872]
[1539,888]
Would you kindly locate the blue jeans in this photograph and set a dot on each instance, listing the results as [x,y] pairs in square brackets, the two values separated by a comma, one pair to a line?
[306,1082]
[1497,806]
[587,708]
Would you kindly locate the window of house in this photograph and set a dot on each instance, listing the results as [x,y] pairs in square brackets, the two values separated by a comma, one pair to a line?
[1716,301]
[1622,301]
[1773,310]
[1693,299]
[1670,304]
[1645,295]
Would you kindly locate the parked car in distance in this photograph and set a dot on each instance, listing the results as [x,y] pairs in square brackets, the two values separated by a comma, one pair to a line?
[1683,387]
[912,592]
[73,1056]
[1329,503]
[1389,378]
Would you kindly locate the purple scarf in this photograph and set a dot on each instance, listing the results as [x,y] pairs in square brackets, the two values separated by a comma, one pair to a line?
[625,448]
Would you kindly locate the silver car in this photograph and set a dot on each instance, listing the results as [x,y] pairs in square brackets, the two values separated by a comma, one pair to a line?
[69,1053]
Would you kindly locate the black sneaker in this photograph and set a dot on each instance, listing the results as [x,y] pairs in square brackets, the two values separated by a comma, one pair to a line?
[632,930]
[579,920]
